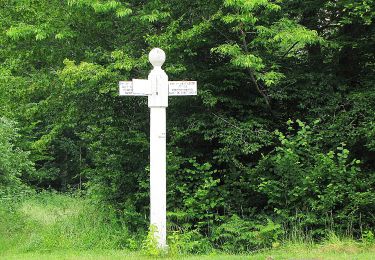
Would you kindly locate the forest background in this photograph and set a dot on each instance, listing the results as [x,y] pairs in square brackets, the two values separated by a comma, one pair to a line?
[279,141]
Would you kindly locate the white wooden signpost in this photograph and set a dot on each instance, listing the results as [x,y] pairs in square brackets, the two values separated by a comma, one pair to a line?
[158,88]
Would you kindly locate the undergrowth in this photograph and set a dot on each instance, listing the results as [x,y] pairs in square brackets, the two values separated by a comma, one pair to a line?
[49,222]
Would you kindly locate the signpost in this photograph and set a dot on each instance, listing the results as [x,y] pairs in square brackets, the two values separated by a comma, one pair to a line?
[158,88]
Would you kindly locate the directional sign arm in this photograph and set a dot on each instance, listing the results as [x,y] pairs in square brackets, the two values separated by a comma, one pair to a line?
[126,88]
[137,87]
[141,87]
[182,88]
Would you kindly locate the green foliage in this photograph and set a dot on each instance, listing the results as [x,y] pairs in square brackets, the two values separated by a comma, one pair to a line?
[319,189]
[368,237]
[196,192]
[50,225]
[364,10]
[13,161]
[150,245]
[258,63]
[185,241]
[239,235]
[49,221]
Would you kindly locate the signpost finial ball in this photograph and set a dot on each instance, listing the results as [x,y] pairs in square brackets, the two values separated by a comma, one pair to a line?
[156,57]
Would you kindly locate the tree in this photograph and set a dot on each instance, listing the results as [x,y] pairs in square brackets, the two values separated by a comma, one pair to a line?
[13,161]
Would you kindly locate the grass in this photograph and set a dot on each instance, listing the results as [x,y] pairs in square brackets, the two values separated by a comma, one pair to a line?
[49,221]
[326,252]
[55,226]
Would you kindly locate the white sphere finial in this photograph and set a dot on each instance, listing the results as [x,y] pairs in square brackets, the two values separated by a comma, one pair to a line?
[156,57]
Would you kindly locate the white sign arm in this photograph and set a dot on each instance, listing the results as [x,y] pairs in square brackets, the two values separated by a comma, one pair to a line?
[182,88]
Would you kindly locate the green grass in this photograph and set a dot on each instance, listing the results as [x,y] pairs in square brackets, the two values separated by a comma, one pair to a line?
[48,221]
[55,226]
[326,251]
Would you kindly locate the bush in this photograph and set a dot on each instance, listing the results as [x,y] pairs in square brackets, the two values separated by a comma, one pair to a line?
[189,242]
[315,189]
[13,161]
[240,235]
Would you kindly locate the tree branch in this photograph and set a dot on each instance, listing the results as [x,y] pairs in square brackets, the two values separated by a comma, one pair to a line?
[252,75]
[286,53]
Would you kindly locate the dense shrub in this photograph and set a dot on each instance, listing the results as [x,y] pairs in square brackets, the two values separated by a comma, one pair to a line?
[240,235]
[13,161]
[189,242]
[315,189]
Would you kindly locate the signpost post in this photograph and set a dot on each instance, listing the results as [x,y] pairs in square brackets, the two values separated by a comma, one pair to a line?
[158,88]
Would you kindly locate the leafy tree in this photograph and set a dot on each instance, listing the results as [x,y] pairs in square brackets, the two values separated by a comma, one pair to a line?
[13,161]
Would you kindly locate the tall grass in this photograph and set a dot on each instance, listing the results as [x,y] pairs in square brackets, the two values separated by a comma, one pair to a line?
[39,226]
[50,221]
